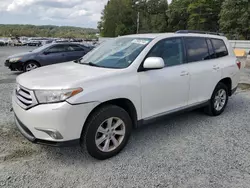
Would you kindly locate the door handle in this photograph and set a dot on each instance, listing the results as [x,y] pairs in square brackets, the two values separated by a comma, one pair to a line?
[215,67]
[184,73]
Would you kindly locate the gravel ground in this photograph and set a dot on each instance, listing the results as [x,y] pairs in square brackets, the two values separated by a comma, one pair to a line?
[191,150]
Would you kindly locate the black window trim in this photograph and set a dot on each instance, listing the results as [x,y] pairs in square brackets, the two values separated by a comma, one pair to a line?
[141,69]
[209,39]
[214,48]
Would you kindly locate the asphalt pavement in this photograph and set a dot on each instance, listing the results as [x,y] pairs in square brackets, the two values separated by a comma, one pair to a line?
[188,150]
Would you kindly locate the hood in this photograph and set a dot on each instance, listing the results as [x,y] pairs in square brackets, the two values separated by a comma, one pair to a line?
[21,54]
[62,76]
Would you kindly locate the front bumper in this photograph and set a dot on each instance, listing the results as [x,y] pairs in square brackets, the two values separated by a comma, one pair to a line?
[14,66]
[63,117]
[28,134]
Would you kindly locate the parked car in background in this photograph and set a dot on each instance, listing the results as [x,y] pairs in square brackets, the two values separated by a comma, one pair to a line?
[124,83]
[34,43]
[15,42]
[2,43]
[46,55]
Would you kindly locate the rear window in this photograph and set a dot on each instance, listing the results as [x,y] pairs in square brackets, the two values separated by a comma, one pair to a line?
[219,47]
[197,49]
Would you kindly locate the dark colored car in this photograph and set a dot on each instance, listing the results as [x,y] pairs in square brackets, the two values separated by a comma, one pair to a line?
[34,43]
[46,55]
[2,43]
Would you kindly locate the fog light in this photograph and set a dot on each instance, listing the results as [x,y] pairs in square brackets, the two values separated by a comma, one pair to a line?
[51,132]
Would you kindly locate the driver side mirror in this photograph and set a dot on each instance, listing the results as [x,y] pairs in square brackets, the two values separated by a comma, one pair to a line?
[46,52]
[153,63]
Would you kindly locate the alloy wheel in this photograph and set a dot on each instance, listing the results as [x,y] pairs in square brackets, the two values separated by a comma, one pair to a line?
[31,66]
[110,134]
[220,99]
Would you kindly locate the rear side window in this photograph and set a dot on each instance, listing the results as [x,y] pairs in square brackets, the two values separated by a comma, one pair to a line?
[219,47]
[211,49]
[197,49]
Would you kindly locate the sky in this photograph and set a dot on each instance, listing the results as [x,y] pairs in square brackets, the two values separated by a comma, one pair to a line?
[81,13]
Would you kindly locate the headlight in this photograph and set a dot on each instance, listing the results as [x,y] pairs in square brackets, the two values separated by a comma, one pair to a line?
[51,96]
[15,59]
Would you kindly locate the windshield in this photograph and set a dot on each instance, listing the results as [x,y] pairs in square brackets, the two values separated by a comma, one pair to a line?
[41,48]
[116,53]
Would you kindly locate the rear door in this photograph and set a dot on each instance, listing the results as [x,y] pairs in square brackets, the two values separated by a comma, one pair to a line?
[204,67]
[74,52]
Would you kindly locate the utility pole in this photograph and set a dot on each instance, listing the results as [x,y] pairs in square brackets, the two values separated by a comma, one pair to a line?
[138,22]
[199,18]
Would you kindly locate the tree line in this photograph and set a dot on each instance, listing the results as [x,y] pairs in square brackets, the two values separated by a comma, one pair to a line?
[231,17]
[46,31]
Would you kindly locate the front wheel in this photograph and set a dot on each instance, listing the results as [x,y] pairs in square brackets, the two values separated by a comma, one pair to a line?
[106,132]
[30,66]
[218,101]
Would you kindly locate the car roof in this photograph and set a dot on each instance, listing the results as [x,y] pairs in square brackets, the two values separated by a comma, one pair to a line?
[166,35]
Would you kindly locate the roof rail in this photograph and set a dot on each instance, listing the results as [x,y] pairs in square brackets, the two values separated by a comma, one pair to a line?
[199,32]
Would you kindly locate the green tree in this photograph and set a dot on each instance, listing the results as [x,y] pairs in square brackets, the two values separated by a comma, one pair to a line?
[203,15]
[153,15]
[119,17]
[178,15]
[235,19]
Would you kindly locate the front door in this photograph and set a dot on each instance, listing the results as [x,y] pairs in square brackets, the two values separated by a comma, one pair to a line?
[166,89]
[55,54]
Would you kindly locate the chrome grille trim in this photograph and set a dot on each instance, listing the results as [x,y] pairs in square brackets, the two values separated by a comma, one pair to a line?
[24,100]
[24,97]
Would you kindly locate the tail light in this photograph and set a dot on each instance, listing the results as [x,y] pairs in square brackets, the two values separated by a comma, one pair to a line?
[238,64]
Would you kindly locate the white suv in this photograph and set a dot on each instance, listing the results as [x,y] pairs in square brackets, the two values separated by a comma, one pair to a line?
[122,84]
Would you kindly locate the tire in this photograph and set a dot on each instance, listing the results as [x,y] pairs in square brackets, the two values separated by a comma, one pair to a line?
[211,108]
[28,66]
[100,118]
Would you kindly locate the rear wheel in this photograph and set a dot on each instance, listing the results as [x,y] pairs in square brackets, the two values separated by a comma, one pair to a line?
[218,101]
[106,132]
[31,65]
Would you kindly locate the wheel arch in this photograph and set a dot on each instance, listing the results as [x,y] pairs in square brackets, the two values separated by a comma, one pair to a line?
[228,82]
[124,103]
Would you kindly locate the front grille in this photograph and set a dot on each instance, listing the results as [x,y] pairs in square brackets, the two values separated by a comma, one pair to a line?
[25,97]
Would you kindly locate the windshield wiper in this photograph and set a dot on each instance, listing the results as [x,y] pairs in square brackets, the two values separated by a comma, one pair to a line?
[78,60]
[92,64]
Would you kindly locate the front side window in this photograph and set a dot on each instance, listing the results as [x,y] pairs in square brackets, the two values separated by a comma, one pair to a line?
[170,50]
[116,53]
[57,49]
[219,47]
[197,49]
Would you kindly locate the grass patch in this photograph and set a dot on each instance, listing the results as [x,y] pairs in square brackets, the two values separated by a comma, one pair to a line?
[244,86]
